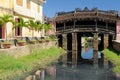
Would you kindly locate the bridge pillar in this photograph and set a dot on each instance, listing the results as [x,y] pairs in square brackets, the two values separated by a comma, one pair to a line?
[74,50]
[106,36]
[64,41]
[106,40]
[95,50]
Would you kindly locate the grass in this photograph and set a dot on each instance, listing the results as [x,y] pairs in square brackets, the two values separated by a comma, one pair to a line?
[113,57]
[10,67]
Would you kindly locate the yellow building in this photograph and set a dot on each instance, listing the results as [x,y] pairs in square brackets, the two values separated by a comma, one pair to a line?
[28,9]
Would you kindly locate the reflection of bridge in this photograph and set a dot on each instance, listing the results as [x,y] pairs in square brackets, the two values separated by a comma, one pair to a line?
[71,26]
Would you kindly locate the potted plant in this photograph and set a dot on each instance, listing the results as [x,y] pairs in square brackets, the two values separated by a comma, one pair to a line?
[22,23]
[4,20]
[6,44]
[41,41]
[47,40]
[32,25]
[21,42]
[32,41]
[44,28]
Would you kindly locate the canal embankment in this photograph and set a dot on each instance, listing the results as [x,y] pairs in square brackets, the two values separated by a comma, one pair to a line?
[21,60]
[19,51]
[114,57]
[116,45]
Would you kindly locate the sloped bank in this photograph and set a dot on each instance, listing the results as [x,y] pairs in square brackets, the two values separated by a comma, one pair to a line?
[11,67]
[114,58]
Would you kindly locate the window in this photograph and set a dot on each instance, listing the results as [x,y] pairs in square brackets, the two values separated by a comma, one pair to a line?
[38,8]
[19,2]
[28,4]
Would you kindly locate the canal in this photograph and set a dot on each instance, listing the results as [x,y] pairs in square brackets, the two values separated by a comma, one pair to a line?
[84,70]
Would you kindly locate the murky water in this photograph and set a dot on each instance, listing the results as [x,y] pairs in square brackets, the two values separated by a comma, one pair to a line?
[82,72]
[84,69]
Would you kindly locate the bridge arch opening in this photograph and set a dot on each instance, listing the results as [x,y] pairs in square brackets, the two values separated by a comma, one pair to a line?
[60,42]
[69,47]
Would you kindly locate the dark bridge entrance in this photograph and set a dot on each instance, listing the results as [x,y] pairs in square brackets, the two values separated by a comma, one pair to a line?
[72,43]
[72,26]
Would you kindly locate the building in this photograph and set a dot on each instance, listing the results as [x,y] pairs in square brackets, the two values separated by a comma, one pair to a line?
[53,30]
[89,21]
[98,24]
[28,9]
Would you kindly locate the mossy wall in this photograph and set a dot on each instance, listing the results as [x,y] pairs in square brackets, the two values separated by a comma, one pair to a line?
[25,50]
[116,45]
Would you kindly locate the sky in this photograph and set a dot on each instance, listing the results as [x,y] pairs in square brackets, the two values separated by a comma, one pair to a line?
[51,7]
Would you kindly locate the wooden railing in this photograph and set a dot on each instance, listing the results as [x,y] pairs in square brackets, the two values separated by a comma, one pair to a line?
[86,27]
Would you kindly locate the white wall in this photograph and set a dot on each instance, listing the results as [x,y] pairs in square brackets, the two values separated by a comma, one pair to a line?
[32,12]
[10,33]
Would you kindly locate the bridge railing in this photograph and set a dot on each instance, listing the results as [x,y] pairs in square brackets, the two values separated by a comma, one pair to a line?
[112,28]
[101,26]
[86,27]
[68,27]
[60,28]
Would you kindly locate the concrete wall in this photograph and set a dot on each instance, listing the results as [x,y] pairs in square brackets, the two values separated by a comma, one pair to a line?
[116,45]
[25,50]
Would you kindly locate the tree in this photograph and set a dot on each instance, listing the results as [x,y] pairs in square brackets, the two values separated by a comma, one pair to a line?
[20,24]
[4,20]
[32,24]
[46,27]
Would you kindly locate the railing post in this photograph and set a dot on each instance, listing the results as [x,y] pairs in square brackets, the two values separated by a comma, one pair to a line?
[74,24]
[64,25]
[107,25]
[96,24]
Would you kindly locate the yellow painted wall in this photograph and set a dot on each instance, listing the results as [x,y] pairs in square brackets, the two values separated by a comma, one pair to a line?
[6,3]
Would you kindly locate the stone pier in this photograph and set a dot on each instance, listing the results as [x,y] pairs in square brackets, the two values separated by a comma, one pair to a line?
[106,46]
[42,75]
[64,41]
[95,50]
[74,50]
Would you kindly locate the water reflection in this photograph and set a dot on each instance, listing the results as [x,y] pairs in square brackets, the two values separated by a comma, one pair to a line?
[87,48]
[82,72]
[88,54]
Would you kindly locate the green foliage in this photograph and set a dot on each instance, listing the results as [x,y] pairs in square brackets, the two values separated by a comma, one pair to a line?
[0,22]
[11,67]
[113,57]
[7,42]
[44,26]
[52,37]
[20,24]
[21,41]
[6,18]
[32,23]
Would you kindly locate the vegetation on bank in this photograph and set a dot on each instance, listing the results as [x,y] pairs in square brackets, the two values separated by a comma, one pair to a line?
[113,57]
[11,67]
